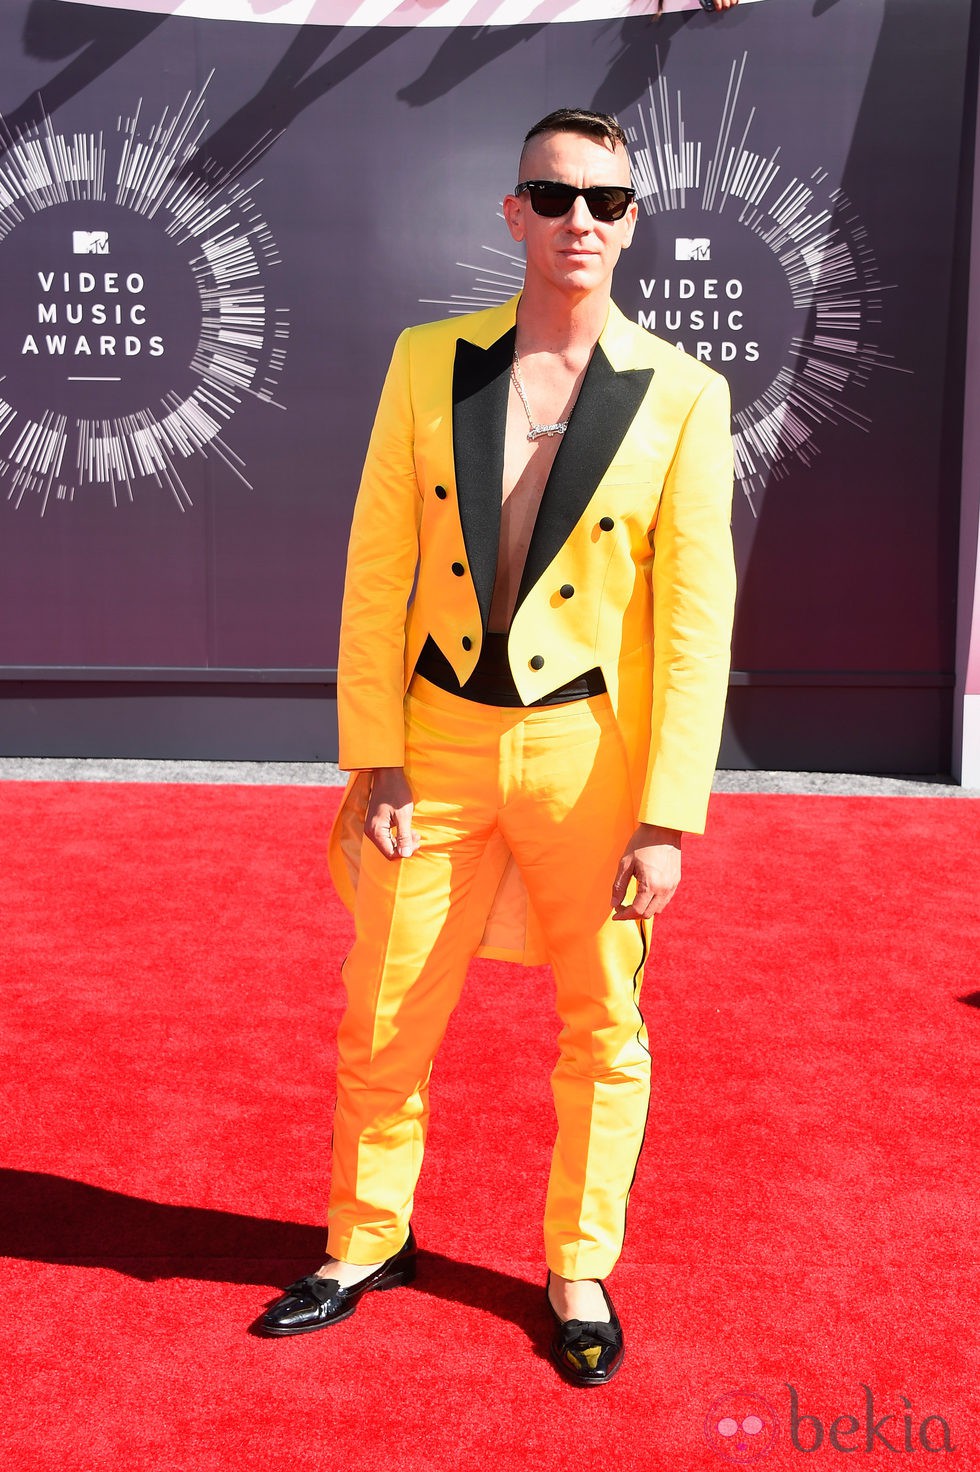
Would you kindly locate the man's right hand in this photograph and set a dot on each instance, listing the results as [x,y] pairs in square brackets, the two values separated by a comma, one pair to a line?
[388,823]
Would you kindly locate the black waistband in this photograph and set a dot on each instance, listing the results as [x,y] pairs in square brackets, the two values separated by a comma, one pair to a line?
[492,683]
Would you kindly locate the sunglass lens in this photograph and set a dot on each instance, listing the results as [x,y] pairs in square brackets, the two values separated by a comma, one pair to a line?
[607,204]
[552,200]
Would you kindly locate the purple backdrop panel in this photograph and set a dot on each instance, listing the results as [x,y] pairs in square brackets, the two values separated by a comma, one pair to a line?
[210,233]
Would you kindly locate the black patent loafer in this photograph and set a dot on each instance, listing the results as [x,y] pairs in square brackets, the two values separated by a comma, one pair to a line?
[587,1353]
[313,1303]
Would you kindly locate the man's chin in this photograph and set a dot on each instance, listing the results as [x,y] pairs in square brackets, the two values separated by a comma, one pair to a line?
[582,275]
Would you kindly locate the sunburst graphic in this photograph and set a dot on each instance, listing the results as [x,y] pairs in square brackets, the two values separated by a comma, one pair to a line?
[138,309]
[764,272]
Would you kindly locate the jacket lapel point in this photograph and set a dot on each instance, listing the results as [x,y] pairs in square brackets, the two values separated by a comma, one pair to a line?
[480,389]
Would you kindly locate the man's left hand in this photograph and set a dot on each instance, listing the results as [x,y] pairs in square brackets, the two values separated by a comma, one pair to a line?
[653,858]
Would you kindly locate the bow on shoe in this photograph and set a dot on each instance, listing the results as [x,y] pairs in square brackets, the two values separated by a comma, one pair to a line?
[573,1329]
[321,1290]
[589,1350]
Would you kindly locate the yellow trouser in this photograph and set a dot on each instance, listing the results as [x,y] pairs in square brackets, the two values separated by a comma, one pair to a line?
[549,785]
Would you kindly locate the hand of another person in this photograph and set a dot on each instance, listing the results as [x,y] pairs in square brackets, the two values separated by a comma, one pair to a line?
[653,858]
[388,822]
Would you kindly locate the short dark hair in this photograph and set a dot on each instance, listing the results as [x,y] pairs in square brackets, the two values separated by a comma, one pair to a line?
[578,120]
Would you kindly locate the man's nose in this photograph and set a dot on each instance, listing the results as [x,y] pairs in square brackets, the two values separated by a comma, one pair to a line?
[580,216]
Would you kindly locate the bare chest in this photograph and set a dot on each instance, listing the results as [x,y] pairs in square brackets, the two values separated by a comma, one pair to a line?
[527,466]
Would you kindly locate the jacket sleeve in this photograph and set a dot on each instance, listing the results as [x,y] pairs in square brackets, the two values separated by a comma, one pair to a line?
[693,606]
[381,562]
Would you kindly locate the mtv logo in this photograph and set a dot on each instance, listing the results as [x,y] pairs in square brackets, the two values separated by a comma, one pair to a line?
[691,250]
[90,242]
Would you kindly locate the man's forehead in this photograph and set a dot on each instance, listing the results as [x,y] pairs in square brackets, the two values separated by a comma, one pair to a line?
[558,141]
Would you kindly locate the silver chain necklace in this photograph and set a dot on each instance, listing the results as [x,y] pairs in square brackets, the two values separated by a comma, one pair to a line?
[535,431]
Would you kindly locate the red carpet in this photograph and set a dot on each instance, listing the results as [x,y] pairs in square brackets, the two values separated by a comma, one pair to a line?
[805,1216]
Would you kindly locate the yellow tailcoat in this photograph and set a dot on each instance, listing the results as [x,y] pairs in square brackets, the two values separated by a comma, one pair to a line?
[630,566]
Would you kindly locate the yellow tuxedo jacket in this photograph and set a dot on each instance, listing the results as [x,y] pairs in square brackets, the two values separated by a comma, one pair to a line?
[630,566]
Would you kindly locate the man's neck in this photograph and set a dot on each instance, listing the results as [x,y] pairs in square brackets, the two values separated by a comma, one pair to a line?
[552,322]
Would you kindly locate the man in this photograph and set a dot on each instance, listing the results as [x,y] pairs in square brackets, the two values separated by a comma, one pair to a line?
[541,558]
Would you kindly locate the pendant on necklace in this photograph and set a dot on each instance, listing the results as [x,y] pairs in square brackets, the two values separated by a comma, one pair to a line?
[537,430]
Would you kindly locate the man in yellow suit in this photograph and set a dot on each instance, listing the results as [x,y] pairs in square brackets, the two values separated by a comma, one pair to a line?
[533,667]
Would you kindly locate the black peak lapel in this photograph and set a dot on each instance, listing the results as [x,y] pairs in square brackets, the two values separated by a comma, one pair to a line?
[605,409]
[481,382]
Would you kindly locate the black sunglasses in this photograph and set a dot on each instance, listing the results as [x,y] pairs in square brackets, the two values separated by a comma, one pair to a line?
[606,202]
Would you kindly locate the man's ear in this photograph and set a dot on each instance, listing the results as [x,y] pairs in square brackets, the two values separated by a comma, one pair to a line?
[631,216]
[514,215]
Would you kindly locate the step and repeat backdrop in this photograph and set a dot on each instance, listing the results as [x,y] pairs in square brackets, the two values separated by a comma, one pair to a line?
[216,217]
